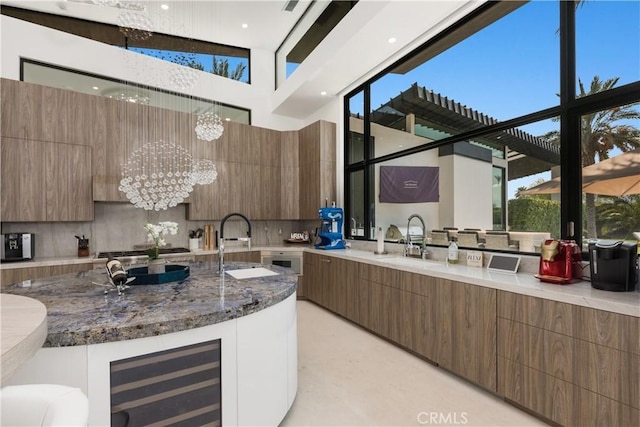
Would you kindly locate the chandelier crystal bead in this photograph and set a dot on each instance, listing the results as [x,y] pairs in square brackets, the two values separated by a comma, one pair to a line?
[157,176]
[209,127]
[183,77]
[135,25]
[203,172]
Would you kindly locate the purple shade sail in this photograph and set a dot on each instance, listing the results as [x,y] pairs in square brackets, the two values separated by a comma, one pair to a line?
[409,184]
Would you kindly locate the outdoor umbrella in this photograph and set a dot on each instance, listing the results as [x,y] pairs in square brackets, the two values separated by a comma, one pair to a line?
[617,176]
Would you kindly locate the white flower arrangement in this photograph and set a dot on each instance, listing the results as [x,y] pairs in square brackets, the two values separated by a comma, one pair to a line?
[155,234]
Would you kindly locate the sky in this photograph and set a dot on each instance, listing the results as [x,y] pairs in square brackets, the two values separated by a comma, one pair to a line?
[511,68]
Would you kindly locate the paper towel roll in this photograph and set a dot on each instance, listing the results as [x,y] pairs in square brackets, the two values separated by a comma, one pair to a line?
[380,241]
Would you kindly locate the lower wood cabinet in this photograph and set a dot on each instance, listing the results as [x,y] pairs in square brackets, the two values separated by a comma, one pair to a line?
[573,365]
[466,331]
[332,283]
[449,323]
[11,276]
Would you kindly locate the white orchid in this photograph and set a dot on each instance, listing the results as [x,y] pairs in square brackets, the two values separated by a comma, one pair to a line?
[155,233]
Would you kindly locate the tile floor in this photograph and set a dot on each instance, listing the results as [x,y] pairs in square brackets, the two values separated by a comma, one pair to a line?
[349,377]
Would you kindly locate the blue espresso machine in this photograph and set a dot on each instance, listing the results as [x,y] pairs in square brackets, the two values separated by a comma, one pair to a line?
[330,234]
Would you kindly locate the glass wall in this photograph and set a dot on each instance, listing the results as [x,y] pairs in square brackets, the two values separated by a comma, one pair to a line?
[226,61]
[64,78]
[611,173]
[320,17]
[490,103]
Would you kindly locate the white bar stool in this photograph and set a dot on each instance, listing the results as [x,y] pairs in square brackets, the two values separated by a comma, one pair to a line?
[43,405]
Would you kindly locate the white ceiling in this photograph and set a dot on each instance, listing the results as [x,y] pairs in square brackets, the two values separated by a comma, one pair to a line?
[353,51]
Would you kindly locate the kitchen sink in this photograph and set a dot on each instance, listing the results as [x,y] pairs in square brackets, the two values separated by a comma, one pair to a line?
[411,262]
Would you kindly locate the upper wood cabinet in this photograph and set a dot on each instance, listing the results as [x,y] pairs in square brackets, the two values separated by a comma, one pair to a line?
[263,173]
[45,181]
[317,157]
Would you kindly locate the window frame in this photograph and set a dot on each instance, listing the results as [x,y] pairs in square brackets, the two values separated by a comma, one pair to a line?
[569,112]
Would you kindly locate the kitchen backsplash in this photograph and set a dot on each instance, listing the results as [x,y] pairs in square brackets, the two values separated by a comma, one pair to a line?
[120,226]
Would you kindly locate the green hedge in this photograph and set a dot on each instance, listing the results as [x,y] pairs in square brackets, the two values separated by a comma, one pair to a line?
[534,214]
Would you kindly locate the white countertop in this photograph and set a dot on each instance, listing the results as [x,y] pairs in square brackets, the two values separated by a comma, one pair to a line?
[23,331]
[580,293]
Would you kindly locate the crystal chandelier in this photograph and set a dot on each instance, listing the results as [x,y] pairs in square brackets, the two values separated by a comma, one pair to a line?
[135,25]
[209,126]
[183,77]
[157,176]
[203,172]
[128,94]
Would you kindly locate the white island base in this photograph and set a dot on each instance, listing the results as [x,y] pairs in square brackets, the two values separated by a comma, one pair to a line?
[259,365]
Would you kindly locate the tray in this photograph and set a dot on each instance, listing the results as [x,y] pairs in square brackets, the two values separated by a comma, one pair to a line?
[173,273]
[296,241]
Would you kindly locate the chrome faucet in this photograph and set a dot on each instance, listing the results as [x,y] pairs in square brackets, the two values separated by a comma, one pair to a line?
[409,248]
[222,239]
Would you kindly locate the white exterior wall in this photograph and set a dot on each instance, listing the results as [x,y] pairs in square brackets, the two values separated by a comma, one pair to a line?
[465,193]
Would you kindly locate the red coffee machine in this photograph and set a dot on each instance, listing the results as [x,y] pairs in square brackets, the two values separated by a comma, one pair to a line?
[560,262]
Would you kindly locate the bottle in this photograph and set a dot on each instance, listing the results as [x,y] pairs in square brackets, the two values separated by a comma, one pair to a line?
[453,252]
[116,273]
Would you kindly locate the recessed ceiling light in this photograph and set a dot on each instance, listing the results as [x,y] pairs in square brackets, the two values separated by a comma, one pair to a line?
[391,39]
[164,7]
[245,25]
[227,119]
[323,93]
[96,88]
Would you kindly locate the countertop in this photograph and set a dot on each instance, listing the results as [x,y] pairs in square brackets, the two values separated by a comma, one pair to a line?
[79,312]
[23,330]
[580,293]
[90,260]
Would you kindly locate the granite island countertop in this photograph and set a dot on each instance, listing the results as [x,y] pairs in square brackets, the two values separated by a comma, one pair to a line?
[79,312]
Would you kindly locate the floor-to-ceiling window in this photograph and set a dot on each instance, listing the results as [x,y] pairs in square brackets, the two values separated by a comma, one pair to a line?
[522,91]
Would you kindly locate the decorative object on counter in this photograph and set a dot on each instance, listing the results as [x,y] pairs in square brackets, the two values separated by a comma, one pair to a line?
[560,262]
[330,234]
[209,126]
[302,237]
[83,246]
[157,176]
[155,234]
[117,276]
[474,259]
[172,273]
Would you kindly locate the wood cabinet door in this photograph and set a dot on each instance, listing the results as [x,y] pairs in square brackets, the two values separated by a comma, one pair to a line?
[317,167]
[466,319]
[68,185]
[313,290]
[23,180]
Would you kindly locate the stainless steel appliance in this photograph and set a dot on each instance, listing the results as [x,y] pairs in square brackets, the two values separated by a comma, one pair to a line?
[18,247]
[290,259]
[614,265]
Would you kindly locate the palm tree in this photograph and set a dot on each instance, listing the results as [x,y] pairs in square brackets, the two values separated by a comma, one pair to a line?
[601,132]
[619,217]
